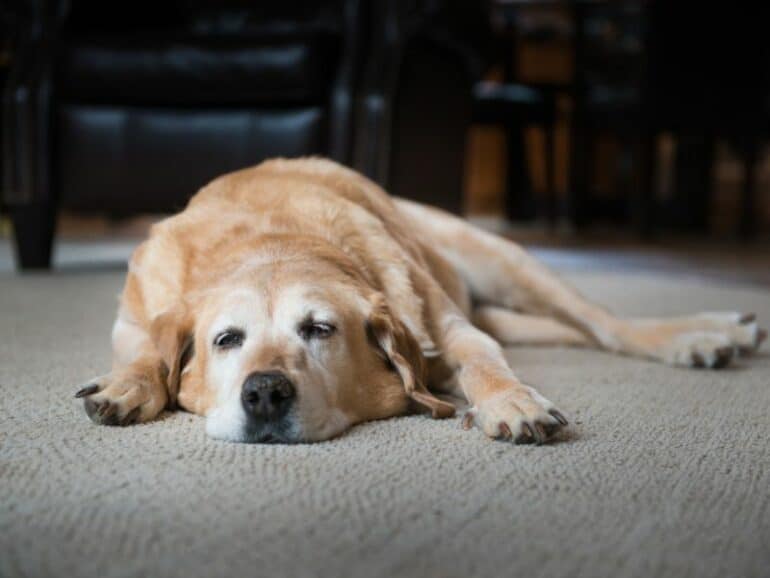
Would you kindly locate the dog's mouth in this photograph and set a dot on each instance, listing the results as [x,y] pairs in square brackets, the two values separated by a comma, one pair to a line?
[282,432]
[270,438]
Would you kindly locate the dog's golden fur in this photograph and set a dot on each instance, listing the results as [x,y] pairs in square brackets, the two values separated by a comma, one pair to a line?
[288,242]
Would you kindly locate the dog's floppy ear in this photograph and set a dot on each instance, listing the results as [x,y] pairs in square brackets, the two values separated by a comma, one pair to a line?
[396,344]
[171,332]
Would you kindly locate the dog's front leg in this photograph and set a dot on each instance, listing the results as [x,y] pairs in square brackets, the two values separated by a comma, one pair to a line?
[136,389]
[501,405]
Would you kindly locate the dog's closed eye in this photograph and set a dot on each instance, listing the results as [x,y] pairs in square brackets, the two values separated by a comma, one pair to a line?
[229,338]
[310,329]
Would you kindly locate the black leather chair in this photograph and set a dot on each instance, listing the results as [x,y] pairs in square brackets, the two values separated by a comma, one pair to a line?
[130,106]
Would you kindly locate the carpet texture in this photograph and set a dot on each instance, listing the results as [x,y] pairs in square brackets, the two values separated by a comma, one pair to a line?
[664,472]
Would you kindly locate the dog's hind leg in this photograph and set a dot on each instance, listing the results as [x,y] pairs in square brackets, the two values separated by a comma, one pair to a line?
[501,273]
[511,328]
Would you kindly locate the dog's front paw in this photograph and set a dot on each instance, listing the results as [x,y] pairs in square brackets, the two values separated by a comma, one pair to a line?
[121,400]
[520,414]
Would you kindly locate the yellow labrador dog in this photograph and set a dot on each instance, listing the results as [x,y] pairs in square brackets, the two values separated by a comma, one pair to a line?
[294,299]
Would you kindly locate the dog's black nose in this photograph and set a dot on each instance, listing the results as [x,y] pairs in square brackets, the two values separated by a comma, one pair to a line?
[267,395]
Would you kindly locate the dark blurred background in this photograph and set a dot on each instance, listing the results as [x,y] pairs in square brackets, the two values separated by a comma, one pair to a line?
[572,121]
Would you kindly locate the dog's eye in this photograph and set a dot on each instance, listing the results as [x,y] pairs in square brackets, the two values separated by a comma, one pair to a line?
[315,330]
[228,339]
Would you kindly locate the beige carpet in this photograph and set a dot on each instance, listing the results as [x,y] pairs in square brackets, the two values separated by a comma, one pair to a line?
[666,472]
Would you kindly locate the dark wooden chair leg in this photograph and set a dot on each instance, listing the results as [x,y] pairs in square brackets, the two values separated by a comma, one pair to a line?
[747,226]
[552,204]
[579,196]
[645,213]
[33,226]
[694,181]
[520,202]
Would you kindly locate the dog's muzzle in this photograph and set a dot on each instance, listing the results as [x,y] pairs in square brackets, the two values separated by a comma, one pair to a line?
[267,398]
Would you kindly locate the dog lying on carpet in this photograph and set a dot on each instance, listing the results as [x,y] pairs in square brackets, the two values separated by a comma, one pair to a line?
[294,299]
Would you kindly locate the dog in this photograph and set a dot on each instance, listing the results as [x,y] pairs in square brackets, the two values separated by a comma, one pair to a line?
[294,299]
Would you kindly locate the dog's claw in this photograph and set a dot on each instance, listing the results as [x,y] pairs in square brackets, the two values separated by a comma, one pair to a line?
[107,410]
[551,428]
[467,421]
[748,318]
[87,390]
[131,416]
[723,357]
[505,431]
[697,360]
[558,416]
[761,336]
[526,436]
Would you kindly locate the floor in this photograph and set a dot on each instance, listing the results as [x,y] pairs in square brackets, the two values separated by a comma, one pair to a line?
[664,472]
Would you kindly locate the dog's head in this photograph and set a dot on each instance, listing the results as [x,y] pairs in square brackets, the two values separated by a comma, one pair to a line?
[296,350]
